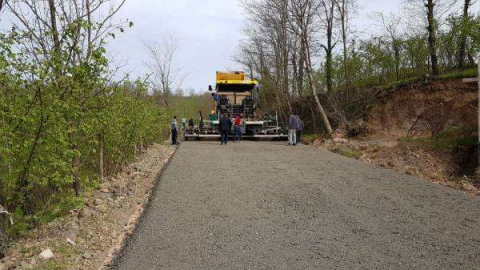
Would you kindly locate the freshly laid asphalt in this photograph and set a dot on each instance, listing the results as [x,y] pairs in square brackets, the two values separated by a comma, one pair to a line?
[266,205]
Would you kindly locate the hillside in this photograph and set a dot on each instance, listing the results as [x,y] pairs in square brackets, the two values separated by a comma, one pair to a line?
[424,129]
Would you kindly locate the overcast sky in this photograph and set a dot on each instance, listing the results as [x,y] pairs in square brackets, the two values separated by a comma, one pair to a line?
[208,33]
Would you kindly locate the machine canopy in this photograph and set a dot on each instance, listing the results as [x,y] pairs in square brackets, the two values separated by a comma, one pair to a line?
[236,87]
[235,81]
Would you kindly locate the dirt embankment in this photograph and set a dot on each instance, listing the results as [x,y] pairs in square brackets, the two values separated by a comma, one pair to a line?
[422,108]
[426,130]
[88,238]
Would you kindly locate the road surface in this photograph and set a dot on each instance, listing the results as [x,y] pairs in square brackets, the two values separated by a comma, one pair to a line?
[266,205]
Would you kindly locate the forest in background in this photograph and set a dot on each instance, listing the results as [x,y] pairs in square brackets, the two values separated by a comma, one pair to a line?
[312,60]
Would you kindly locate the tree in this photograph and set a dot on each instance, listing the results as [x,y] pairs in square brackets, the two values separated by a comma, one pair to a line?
[327,16]
[432,40]
[434,10]
[167,78]
[345,9]
[63,66]
[303,14]
[391,25]
[463,36]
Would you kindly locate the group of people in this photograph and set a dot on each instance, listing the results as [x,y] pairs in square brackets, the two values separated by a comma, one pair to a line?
[295,129]
[225,126]
[174,127]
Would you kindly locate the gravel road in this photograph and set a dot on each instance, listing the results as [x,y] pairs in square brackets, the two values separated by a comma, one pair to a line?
[265,205]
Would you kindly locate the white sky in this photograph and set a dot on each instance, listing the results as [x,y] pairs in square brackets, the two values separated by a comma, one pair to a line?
[208,33]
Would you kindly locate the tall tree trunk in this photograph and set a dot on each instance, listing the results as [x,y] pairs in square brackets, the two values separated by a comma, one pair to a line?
[27,203]
[463,37]
[1,5]
[396,49]
[53,22]
[432,39]
[89,29]
[301,64]
[308,65]
[328,67]
[329,14]
[343,18]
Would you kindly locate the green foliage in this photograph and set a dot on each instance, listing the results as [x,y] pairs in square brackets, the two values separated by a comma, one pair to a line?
[454,137]
[345,151]
[189,106]
[385,62]
[450,138]
[310,138]
[53,113]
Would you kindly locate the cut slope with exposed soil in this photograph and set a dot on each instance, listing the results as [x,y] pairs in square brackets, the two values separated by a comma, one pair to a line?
[424,129]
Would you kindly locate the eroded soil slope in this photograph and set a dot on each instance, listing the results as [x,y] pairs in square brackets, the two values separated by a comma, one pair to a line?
[425,129]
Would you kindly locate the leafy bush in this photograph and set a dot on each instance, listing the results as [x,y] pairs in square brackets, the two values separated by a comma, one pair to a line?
[56,123]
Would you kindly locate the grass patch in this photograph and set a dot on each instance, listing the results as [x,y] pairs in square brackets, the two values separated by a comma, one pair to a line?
[450,138]
[60,207]
[63,253]
[345,151]
[310,138]
[455,137]
[467,73]
[49,265]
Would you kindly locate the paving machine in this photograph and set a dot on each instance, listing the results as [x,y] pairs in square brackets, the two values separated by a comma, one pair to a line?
[235,95]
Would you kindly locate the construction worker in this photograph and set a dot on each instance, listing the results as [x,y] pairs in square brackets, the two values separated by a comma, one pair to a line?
[300,127]
[238,128]
[174,129]
[292,130]
[225,126]
[216,97]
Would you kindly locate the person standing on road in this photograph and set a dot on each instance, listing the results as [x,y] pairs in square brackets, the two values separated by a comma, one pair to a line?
[300,127]
[174,129]
[292,130]
[225,126]
[238,128]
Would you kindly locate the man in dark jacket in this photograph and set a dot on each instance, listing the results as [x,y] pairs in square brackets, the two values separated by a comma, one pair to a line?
[225,126]
[174,129]
[300,127]
[292,129]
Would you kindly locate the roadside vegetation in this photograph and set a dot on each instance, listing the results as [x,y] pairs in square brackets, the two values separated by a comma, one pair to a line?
[68,118]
